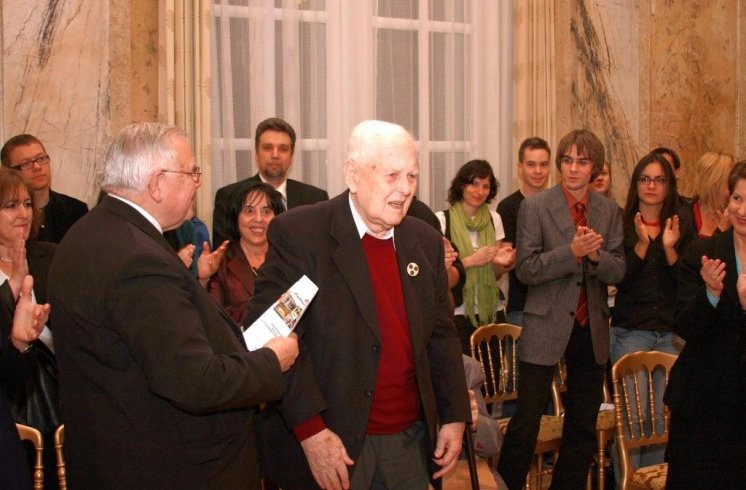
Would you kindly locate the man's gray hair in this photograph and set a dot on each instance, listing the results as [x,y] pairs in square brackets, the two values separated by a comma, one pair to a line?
[368,138]
[138,151]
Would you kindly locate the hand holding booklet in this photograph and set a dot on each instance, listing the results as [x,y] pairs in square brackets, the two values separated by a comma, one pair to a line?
[281,318]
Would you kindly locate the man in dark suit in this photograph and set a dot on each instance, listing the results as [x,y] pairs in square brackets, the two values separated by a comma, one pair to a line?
[569,244]
[157,388]
[274,147]
[380,366]
[25,154]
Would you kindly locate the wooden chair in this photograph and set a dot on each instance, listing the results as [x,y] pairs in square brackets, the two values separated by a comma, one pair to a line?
[491,345]
[32,435]
[635,417]
[59,442]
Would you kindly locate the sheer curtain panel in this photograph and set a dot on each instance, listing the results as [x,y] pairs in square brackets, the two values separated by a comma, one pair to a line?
[440,68]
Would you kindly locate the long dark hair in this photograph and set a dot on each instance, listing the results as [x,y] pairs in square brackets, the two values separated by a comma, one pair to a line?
[670,203]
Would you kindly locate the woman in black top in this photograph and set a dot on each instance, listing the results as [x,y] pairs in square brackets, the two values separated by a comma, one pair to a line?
[654,238]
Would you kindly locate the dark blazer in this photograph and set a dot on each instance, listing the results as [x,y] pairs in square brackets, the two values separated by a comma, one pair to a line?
[553,275]
[340,342]
[298,194]
[60,213]
[157,387]
[233,284]
[708,378]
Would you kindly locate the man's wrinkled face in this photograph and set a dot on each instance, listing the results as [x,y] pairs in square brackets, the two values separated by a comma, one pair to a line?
[383,188]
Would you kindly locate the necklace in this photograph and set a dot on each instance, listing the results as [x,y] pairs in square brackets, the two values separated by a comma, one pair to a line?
[253,270]
[649,223]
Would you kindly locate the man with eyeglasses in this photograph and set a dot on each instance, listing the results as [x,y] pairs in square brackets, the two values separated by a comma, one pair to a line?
[157,387]
[274,147]
[569,246]
[26,154]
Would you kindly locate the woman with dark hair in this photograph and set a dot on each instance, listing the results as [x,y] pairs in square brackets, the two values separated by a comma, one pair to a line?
[654,238]
[477,233]
[32,394]
[706,390]
[252,208]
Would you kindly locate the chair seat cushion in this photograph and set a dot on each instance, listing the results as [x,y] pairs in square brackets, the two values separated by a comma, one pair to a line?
[550,429]
[605,420]
[653,477]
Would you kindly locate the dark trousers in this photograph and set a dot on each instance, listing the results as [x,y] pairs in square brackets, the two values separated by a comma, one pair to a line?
[584,396]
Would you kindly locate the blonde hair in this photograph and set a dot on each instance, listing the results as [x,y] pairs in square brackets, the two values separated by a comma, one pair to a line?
[709,176]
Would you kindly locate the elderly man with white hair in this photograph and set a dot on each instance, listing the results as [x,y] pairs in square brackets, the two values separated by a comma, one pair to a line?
[157,388]
[377,397]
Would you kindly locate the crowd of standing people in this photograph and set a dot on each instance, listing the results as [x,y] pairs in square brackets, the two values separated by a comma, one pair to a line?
[124,323]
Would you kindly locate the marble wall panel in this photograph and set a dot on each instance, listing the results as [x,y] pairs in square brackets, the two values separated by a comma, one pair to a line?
[598,47]
[56,84]
[693,76]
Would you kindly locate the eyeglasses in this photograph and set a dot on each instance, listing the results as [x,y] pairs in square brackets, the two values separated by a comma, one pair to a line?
[27,164]
[195,173]
[646,179]
[582,162]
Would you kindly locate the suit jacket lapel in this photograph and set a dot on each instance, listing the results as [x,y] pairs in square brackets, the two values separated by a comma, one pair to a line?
[408,251]
[239,265]
[560,213]
[350,259]
[725,251]
[596,215]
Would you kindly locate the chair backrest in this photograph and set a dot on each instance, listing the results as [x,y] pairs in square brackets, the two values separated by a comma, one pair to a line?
[635,403]
[59,443]
[495,347]
[32,435]
[559,388]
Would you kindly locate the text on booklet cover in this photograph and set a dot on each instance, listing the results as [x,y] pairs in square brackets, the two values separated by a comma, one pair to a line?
[281,318]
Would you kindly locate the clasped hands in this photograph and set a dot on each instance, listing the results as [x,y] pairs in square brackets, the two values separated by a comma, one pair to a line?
[502,256]
[586,243]
[29,318]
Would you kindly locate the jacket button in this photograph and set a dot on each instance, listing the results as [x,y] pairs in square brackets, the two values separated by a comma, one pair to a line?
[359,437]
[572,313]
[374,348]
[578,283]
[368,393]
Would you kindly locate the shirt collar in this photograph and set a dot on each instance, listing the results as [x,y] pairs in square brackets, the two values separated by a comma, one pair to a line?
[142,211]
[362,229]
[282,188]
[571,199]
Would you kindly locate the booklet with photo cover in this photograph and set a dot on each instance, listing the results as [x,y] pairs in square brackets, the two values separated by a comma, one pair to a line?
[282,317]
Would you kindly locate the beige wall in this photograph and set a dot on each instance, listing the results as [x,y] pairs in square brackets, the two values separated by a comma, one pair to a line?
[651,73]
[641,74]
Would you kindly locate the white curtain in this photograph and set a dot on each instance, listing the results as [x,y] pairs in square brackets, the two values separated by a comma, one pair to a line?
[440,68]
[535,106]
[184,88]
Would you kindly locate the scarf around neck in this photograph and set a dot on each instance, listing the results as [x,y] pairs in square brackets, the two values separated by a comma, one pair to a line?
[480,288]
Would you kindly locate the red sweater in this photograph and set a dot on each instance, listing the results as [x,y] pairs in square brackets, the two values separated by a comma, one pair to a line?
[396,402]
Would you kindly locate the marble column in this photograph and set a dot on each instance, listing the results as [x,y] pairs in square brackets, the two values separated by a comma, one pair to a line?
[66,79]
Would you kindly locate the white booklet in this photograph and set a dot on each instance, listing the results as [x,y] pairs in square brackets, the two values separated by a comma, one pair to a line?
[282,317]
